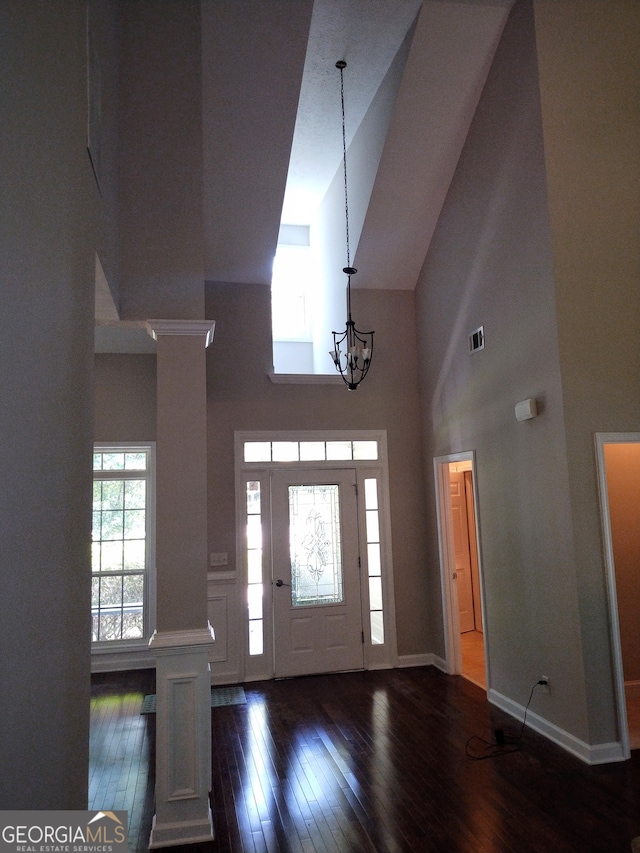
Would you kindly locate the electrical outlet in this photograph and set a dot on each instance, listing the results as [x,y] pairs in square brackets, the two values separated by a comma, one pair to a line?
[546,687]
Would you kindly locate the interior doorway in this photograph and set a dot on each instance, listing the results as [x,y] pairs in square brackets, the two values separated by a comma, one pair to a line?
[461,567]
[618,456]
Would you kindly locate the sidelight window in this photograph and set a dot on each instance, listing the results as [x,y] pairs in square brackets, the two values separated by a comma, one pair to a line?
[254,568]
[374,560]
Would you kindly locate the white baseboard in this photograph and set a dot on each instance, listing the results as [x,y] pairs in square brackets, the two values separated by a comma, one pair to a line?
[440,663]
[229,677]
[601,753]
[413,660]
[426,659]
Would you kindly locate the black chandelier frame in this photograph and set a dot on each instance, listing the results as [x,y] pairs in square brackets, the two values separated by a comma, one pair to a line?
[352,362]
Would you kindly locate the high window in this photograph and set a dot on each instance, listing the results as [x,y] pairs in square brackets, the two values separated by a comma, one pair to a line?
[293,287]
[122,547]
[289,294]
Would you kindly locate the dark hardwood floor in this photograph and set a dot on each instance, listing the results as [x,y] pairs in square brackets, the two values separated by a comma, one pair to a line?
[373,762]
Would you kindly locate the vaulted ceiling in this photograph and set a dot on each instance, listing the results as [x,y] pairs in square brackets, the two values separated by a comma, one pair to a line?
[269,71]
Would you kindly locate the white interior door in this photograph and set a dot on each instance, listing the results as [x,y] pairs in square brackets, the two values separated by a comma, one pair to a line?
[462,551]
[316,594]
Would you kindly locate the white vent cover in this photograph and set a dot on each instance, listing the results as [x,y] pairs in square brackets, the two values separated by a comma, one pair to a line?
[476,340]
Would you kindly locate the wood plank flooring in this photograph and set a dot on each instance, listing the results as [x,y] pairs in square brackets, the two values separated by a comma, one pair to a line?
[369,762]
[473,664]
[122,750]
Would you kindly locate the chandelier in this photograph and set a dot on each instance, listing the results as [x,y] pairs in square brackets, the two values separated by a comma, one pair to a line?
[353,361]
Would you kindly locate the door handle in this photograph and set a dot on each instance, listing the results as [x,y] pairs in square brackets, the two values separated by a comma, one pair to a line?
[282,583]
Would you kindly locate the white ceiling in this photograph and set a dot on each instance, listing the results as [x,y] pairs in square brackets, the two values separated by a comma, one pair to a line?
[451,53]
[367,34]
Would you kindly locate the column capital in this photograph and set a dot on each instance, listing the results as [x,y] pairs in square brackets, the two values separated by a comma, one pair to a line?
[204,328]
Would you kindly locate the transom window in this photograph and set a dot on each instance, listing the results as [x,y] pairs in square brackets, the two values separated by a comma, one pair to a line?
[310,451]
[121,555]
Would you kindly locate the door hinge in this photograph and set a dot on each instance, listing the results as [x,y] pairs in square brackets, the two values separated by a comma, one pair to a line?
[363,638]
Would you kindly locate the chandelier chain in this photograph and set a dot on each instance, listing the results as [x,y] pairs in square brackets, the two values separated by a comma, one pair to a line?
[344,163]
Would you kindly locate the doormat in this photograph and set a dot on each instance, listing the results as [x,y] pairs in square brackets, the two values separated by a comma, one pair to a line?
[220,696]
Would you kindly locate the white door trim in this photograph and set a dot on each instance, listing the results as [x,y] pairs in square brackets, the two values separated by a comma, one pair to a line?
[450,615]
[381,656]
[602,438]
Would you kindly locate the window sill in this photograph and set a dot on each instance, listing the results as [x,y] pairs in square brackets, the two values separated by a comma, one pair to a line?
[123,657]
[305,379]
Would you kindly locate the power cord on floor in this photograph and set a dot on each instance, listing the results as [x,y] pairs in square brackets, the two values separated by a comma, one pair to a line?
[503,744]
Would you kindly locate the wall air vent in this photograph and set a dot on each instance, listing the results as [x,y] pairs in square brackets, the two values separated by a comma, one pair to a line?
[476,340]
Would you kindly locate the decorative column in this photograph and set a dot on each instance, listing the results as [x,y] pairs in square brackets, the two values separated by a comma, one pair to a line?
[183,636]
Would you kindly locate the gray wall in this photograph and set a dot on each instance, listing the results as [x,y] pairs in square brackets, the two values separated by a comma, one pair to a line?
[242,397]
[490,263]
[50,212]
[589,56]
[494,261]
[125,397]
[160,146]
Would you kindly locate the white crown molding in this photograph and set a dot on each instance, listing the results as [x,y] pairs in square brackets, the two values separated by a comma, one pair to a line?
[203,328]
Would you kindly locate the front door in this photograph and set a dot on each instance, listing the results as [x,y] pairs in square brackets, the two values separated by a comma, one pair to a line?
[316,595]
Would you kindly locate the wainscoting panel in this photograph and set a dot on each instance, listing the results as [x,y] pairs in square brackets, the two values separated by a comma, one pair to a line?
[224,611]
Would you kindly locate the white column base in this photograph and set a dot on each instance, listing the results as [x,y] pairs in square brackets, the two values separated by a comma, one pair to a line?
[183,738]
[174,834]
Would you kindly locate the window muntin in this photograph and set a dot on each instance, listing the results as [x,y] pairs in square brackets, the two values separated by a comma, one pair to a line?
[122,522]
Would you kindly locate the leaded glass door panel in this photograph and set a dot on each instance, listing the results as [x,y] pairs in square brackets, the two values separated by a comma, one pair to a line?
[316,593]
